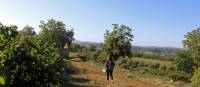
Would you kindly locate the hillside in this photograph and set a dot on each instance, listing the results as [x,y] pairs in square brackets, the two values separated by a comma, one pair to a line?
[153,49]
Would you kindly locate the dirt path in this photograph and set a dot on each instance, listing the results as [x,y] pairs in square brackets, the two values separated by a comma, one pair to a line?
[89,74]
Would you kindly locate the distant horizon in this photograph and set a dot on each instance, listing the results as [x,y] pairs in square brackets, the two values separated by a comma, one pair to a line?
[154,22]
[134,45]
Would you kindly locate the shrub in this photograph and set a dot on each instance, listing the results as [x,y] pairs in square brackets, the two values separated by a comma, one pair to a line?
[163,67]
[182,76]
[132,64]
[127,63]
[171,68]
[121,62]
[155,66]
[184,61]
[30,62]
[196,77]
[92,56]
[142,64]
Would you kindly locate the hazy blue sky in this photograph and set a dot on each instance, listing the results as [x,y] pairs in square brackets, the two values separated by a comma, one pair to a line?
[154,22]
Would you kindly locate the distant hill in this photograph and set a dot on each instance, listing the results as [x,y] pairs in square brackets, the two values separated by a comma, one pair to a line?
[153,49]
[87,43]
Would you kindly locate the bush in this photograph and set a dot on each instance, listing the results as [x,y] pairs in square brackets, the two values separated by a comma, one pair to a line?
[155,66]
[132,64]
[163,67]
[184,61]
[121,62]
[171,68]
[30,62]
[196,77]
[93,56]
[142,64]
[182,76]
[127,63]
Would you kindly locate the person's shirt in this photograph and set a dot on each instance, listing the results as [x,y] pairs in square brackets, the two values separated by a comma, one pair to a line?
[110,64]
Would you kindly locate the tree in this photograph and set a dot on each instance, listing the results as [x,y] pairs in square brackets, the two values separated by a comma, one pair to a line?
[27,30]
[92,48]
[55,32]
[7,33]
[189,61]
[118,41]
[27,61]
[192,42]
[184,61]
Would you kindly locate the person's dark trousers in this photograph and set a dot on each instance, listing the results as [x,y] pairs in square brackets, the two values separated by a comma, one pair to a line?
[109,73]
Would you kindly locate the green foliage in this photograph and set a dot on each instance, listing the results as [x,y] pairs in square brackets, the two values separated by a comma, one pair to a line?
[155,66]
[75,47]
[94,55]
[28,61]
[184,61]
[187,61]
[55,32]
[183,76]
[151,55]
[127,63]
[192,41]
[118,41]
[196,77]
[163,67]
[92,48]
[7,33]
[2,81]
[138,53]
[142,64]
[27,30]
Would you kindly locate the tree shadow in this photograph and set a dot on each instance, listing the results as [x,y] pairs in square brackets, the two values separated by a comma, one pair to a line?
[71,81]
[76,82]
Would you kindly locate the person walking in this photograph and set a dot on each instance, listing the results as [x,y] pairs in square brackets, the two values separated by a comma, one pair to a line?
[110,66]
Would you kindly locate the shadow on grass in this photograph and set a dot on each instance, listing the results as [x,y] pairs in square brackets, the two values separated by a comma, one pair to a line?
[71,81]
[76,82]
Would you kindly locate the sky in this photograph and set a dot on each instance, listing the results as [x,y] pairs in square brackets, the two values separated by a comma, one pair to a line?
[154,22]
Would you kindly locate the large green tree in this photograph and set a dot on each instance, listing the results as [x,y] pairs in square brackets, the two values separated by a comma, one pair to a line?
[55,32]
[118,41]
[192,42]
[189,60]
[27,30]
[7,33]
[28,61]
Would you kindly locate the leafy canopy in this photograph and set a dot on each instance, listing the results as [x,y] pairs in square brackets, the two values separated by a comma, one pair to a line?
[118,41]
[27,30]
[28,61]
[55,32]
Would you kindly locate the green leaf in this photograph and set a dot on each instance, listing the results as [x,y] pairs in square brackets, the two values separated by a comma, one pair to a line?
[2,81]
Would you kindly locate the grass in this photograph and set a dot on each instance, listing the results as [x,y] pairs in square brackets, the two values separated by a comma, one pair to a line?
[152,61]
[73,54]
[139,77]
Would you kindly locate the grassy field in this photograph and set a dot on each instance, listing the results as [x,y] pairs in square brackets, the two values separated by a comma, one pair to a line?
[142,75]
[89,74]
[73,54]
[152,61]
